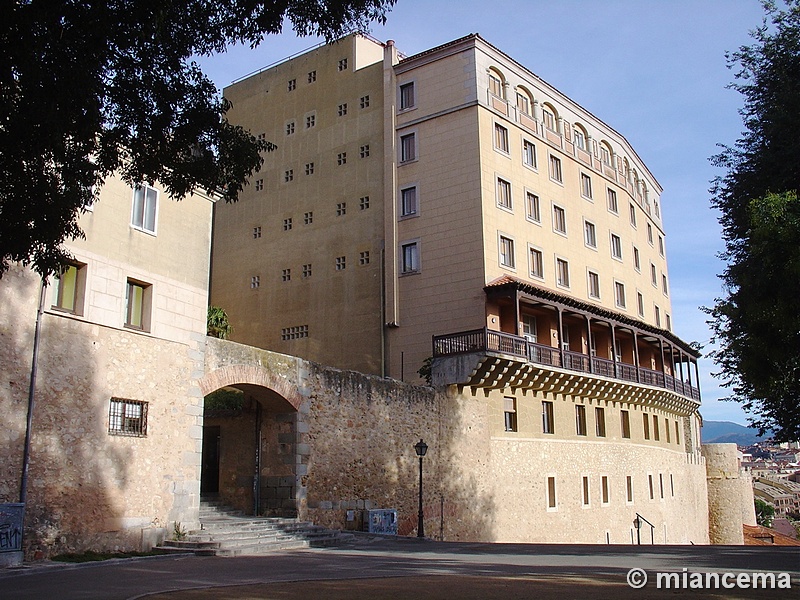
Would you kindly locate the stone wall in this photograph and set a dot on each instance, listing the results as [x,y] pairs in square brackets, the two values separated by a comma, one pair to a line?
[727,495]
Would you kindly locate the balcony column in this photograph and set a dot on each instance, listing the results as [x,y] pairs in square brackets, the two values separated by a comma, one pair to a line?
[589,342]
[560,336]
[614,348]
[516,314]
[697,373]
[663,364]
[689,370]
[636,354]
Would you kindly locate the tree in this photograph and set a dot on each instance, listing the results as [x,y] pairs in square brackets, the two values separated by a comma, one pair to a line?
[97,86]
[756,326]
[765,513]
[217,323]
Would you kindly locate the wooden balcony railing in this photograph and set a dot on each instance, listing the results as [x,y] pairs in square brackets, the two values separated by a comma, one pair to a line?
[485,340]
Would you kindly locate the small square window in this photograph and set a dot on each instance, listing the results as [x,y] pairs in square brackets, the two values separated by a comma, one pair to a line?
[309,168]
[407,96]
[292,85]
[288,175]
[308,218]
[255,282]
[127,417]
[342,66]
[311,121]
[259,185]
[290,128]
[341,209]
[341,158]
[286,275]
[256,232]
[287,224]
[364,102]
[342,111]
[363,203]
[306,273]
[363,258]
[503,193]
[341,263]
[364,151]
[138,298]
[312,76]
[408,147]
[70,286]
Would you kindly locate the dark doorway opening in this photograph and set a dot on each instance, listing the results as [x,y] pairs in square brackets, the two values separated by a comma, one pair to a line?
[209,478]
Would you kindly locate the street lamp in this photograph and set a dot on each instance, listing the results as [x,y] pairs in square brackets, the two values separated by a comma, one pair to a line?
[420,448]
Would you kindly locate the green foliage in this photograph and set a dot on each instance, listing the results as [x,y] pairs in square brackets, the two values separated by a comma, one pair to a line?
[217,324]
[101,86]
[425,370]
[178,531]
[765,513]
[756,326]
[224,399]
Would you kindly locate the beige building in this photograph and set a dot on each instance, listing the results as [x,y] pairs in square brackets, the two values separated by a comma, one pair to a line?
[117,423]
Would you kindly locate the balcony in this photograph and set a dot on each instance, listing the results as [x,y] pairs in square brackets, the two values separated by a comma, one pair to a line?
[523,352]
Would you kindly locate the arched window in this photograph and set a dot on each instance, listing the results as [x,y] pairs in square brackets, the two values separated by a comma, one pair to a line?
[579,136]
[550,117]
[497,83]
[626,168]
[605,153]
[524,101]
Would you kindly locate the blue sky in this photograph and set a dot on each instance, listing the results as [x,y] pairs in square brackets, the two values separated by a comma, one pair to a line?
[654,70]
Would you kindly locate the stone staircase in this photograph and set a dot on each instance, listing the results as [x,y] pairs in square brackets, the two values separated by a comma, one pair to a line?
[228,532]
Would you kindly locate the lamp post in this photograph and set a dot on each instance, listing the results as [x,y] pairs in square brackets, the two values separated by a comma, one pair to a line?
[637,523]
[420,448]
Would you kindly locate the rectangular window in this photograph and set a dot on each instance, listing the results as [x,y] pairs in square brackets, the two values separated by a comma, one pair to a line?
[341,158]
[619,294]
[70,286]
[646,425]
[364,151]
[309,168]
[523,104]
[671,485]
[530,328]
[341,263]
[288,175]
[287,224]
[633,214]
[625,422]
[661,485]
[145,203]
[256,232]
[653,275]
[500,137]
[342,66]
[308,218]
[600,422]
[408,147]
[580,419]
[661,246]
[664,287]
[669,321]
[666,429]
[657,312]
[594,285]
[536,263]
[294,333]
[650,484]
[363,203]
[562,272]
[137,305]
[341,209]
[255,282]
[290,128]
[640,303]
[306,271]
[259,185]
[551,492]
[342,110]
[529,154]
[590,235]
[656,431]
[585,490]
[363,258]
[311,121]
[650,234]
[410,258]
[532,207]
[312,76]
[549,120]
[629,488]
[604,495]
[364,102]
[407,96]
[495,86]
[612,201]
[292,85]
[548,422]
[677,433]
[506,252]
[559,220]
[286,275]
[586,186]
[555,169]
[616,247]
[408,201]
[637,264]
[503,193]
[510,413]
[127,417]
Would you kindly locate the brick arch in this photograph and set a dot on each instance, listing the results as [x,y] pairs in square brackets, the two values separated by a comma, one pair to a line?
[253,375]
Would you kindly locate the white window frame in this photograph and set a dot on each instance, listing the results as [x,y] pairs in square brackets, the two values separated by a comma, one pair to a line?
[407,211]
[589,274]
[531,272]
[615,242]
[562,278]
[620,300]
[503,193]
[501,139]
[402,147]
[555,169]
[143,217]
[557,208]
[533,207]
[609,195]
[529,159]
[586,186]
[501,238]
[409,257]
[589,235]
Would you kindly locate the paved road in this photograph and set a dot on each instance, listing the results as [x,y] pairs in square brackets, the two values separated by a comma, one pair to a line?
[398,569]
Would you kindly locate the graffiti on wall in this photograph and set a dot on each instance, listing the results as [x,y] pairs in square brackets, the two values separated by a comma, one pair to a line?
[11,527]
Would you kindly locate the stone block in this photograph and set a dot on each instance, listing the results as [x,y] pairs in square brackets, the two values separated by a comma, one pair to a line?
[303,449]
[287,482]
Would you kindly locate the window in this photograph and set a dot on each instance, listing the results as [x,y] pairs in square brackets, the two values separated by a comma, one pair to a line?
[579,139]
[671,485]
[605,155]
[600,422]
[666,429]
[589,234]
[549,119]
[341,263]
[585,490]
[407,96]
[530,328]
[500,137]
[658,316]
[292,85]
[532,208]
[290,128]
[495,85]
[363,152]
[70,286]
[548,422]
[586,186]
[625,422]
[259,185]
[612,201]
[506,252]
[363,258]
[661,246]
[536,263]
[255,282]
[256,232]
[503,193]
[510,413]
[306,273]
[604,497]
[650,484]
[555,169]
[288,175]
[127,417]
[633,214]
[629,488]
[669,321]
[594,285]
[311,121]
[551,492]
[656,432]
[408,147]
[653,276]
[308,218]
[677,433]
[528,154]
[559,220]
[408,201]
[640,303]
[137,305]
[410,258]
[294,333]
[309,168]
[363,203]
[364,102]
[145,203]
[312,76]
[650,234]
[287,224]
[286,275]
[616,247]
[341,209]
[562,272]
[661,485]
[619,294]
[523,104]
[580,419]
[646,425]
[664,287]
[342,66]
[341,158]
[636,260]
[342,110]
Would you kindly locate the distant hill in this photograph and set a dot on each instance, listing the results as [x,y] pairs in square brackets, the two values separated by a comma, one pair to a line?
[725,432]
